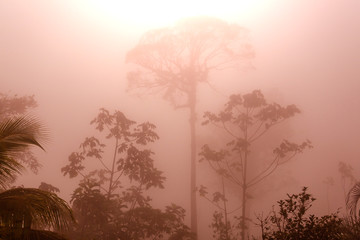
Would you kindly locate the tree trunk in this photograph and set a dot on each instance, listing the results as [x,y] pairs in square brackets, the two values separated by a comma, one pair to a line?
[193,207]
[112,170]
[244,187]
[243,217]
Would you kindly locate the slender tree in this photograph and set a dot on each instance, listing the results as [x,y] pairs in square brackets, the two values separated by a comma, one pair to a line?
[245,119]
[177,59]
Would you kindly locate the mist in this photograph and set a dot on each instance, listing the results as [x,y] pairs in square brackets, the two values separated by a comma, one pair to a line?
[306,53]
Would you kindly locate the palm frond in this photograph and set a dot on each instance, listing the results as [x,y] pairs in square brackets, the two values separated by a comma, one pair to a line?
[16,134]
[19,132]
[8,170]
[352,199]
[26,207]
[29,234]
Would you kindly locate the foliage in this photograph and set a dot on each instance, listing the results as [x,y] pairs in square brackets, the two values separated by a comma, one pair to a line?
[175,60]
[245,119]
[16,134]
[291,221]
[15,106]
[110,201]
[48,187]
[22,209]
[351,228]
[29,234]
[31,206]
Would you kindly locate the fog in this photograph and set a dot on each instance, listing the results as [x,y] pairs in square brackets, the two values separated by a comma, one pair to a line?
[307,54]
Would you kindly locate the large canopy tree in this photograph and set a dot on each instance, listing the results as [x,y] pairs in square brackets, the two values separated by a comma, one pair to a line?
[22,209]
[175,60]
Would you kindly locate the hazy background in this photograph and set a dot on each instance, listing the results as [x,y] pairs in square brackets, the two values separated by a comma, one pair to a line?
[70,55]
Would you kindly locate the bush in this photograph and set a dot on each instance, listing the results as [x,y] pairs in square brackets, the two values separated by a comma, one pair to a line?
[291,221]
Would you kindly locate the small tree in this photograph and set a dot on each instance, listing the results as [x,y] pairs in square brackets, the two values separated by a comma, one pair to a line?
[245,119]
[110,201]
[176,60]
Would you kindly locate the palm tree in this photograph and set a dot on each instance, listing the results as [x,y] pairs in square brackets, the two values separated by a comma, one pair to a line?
[16,134]
[352,199]
[24,208]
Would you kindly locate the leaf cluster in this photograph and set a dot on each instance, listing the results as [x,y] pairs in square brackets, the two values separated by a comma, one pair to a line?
[129,161]
[17,106]
[16,135]
[292,221]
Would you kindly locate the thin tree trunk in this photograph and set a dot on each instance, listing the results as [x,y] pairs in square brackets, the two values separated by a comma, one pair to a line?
[244,187]
[227,228]
[112,169]
[193,207]
[243,217]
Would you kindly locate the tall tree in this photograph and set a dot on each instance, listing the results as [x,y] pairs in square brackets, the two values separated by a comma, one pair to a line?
[110,201]
[245,119]
[23,208]
[177,59]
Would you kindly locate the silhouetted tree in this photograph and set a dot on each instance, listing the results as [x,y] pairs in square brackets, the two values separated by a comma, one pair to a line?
[23,208]
[245,119]
[110,201]
[177,59]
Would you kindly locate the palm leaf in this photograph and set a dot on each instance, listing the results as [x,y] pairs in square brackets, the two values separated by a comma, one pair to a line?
[26,207]
[29,234]
[352,199]
[16,134]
